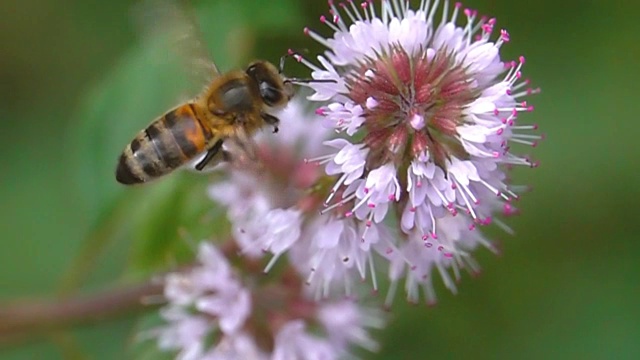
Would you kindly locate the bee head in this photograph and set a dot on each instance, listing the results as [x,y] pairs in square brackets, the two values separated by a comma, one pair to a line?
[274,91]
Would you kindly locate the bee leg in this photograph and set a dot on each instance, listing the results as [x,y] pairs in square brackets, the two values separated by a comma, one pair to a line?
[226,156]
[271,120]
[211,153]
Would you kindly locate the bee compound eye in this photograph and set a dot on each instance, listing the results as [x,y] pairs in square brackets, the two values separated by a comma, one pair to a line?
[269,93]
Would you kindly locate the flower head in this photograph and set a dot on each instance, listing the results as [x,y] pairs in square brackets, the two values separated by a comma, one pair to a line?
[212,314]
[429,112]
[203,302]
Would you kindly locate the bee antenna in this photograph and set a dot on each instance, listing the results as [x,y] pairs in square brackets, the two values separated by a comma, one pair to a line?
[290,53]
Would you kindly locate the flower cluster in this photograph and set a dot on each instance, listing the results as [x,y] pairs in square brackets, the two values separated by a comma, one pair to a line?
[207,300]
[211,314]
[404,160]
[429,113]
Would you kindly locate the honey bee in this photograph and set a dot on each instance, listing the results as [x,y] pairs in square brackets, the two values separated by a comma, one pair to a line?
[236,104]
[232,106]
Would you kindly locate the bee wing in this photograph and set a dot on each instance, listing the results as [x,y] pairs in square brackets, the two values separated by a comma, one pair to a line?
[175,22]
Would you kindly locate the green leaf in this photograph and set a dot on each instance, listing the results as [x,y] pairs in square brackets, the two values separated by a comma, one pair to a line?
[136,91]
[232,42]
[171,221]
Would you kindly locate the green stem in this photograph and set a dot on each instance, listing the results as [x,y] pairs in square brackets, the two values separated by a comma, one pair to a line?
[22,319]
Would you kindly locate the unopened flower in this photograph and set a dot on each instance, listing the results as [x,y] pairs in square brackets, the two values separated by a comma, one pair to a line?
[213,314]
[429,112]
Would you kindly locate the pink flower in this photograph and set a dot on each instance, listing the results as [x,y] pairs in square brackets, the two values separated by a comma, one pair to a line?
[343,323]
[336,254]
[294,342]
[220,304]
[429,113]
[210,314]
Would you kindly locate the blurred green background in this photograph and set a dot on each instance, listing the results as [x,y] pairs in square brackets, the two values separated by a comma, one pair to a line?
[76,83]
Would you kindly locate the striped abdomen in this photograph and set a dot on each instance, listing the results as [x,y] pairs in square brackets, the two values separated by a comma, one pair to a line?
[163,146]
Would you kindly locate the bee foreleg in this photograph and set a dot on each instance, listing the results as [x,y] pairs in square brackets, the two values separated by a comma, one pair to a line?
[271,120]
[211,153]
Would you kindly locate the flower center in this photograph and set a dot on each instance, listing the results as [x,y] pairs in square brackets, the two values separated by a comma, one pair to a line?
[413,104]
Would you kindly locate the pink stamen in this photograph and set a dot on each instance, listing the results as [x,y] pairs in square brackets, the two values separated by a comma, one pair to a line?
[504,35]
